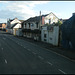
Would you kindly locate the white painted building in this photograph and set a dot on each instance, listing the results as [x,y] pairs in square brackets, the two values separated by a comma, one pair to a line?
[32,26]
[16,28]
[50,34]
[13,25]
[19,32]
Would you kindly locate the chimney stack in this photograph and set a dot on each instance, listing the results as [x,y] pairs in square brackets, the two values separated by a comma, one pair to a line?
[73,14]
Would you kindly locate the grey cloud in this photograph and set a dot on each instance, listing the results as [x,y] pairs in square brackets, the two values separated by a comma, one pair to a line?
[4,14]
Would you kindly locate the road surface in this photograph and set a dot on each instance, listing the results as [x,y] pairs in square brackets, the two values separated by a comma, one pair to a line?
[18,56]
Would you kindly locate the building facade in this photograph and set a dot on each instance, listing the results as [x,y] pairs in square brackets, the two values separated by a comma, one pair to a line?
[68,33]
[31,28]
[50,31]
[3,26]
[50,34]
[13,25]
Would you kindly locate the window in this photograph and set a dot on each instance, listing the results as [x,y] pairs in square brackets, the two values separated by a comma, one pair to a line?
[25,25]
[44,39]
[50,38]
[49,21]
[29,25]
[32,24]
[36,24]
[45,35]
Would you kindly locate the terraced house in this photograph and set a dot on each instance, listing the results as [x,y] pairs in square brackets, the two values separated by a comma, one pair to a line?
[14,26]
[50,31]
[31,27]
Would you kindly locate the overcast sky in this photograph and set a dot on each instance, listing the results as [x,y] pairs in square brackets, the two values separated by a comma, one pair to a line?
[26,9]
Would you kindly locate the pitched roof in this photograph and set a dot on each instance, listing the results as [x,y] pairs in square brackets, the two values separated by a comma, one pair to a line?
[14,25]
[34,19]
[54,15]
[37,18]
[21,21]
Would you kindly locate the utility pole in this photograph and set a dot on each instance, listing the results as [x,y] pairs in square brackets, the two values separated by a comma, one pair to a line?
[40,27]
[40,19]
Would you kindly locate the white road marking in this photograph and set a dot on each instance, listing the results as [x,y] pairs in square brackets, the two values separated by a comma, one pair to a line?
[53,52]
[24,47]
[58,54]
[49,63]
[41,57]
[61,71]
[4,38]
[18,43]
[2,48]
[32,43]
[5,61]
[33,52]
[28,49]
[21,45]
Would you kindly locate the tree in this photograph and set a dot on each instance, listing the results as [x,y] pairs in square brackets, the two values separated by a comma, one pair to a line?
[58,23]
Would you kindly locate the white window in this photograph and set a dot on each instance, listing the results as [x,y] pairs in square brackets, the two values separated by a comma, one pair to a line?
[24,25]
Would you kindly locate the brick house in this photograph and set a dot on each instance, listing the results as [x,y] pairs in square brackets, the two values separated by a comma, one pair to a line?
[3,26]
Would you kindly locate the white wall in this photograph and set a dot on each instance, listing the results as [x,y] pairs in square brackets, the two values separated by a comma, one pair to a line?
[11,31]
[12,23]
[52,18]
[43,31]
[17,26]
[31,27]
[52,36]
[15,21]
[19,32]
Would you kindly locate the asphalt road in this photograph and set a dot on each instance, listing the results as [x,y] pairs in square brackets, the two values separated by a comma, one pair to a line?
[18,56]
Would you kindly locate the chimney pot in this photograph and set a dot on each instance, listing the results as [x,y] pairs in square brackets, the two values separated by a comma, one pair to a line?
[73,14]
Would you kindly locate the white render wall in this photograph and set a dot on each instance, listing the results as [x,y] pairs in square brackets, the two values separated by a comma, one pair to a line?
[19,32]
[52,18]
[52,36]
[15,21]
[31,27]
[12,23]
[17,26]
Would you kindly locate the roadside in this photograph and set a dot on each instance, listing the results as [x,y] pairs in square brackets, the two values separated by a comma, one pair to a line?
[68,53]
